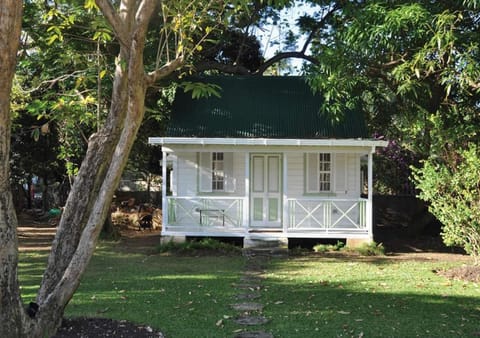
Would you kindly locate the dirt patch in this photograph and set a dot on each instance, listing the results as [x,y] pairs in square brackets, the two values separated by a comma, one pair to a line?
[469,273]
[103,327]
[138,241]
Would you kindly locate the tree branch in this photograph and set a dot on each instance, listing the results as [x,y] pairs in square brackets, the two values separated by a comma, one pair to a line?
[286,55]
[241,70]
[115,21]
[318,26]
[164,71]
[222,67]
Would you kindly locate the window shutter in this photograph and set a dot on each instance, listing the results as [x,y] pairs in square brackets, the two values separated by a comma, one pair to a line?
[173,174]
[205,172]
[340,170]
[312,172]
[228,171]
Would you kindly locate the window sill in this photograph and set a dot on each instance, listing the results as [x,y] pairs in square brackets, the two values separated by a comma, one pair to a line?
[320,194]
[216,193]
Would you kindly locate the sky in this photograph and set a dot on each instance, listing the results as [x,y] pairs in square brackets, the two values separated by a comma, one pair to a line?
[270,35]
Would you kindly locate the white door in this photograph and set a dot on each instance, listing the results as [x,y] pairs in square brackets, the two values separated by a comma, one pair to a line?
[265,191]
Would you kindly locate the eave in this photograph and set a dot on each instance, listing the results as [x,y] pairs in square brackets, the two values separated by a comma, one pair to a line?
[267,142]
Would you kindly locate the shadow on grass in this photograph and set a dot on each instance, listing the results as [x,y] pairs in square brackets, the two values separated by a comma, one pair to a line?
[181,296]
[303,296]
[333,298]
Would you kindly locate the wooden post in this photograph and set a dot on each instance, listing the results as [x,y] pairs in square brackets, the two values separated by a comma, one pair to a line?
[285,218]
[246,204]
[370,194]
[164,191]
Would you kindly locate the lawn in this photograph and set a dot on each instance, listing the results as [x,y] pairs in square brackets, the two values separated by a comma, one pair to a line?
[358,297]
[314,296]
[181,296]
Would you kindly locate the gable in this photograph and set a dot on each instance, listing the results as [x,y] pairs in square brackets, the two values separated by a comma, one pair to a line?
[259,107]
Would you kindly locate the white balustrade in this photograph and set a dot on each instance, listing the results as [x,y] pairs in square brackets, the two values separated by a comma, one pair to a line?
[205,211]
[327,214]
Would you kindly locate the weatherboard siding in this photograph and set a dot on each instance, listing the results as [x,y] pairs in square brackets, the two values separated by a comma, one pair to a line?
[239,173]
[295,175]
[353,177]
[346,175]
[186,174]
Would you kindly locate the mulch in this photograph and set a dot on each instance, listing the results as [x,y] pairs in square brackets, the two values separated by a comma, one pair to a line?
[103,327]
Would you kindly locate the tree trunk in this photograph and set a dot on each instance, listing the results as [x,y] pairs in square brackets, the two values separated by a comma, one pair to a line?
[89,200]
[12,316]
[88,203]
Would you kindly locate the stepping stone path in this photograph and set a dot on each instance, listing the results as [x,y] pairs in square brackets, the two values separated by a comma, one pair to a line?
[249,294]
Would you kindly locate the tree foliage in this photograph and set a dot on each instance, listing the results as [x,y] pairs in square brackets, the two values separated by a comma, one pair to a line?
[414,67]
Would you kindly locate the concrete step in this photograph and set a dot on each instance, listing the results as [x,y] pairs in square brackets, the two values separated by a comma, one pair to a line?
[265,244]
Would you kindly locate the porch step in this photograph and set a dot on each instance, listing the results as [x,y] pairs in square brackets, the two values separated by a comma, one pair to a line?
[265,244]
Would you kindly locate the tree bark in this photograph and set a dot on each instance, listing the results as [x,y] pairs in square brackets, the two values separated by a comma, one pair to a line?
[12,316]
[89,201]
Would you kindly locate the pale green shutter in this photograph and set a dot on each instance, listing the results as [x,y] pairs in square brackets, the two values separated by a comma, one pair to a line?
[340,172]
[312,172]
[228,172]
[205,172]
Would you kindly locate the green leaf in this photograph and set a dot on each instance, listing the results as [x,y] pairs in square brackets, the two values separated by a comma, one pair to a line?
[36,134]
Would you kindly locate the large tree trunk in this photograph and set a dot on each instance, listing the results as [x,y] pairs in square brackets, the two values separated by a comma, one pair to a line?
[89,200]
[13,319]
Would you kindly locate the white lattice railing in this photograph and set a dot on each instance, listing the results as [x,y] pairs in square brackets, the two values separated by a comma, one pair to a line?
[327,214]
[205,211]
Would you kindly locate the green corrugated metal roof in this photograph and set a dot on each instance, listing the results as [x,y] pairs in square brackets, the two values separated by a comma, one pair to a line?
[259,107]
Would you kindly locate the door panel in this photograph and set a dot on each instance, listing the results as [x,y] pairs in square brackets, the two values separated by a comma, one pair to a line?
[258,209]
[266,191]
[258,174]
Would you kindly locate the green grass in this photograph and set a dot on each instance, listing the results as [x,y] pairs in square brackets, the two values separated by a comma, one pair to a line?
[307,296]
[330,297]
[181,296]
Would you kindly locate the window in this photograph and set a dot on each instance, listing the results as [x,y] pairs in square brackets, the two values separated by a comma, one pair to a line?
[319,172]
[324,171]
[215,171]
[218,173]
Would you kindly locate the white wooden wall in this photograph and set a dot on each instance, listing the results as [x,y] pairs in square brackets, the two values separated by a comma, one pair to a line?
[186,174]
[185,171]
[346,174]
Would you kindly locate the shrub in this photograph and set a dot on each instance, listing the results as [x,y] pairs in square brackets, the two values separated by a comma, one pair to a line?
[453,190]
[195,247]
[328,247]
[370,249]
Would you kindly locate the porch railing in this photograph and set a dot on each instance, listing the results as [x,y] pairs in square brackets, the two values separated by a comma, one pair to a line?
[327,214]
[205,211]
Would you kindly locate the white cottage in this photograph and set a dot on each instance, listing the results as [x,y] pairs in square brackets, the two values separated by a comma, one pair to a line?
[262,161]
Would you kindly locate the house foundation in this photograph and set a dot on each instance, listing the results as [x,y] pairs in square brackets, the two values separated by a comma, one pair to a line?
[357,242]
[175,239]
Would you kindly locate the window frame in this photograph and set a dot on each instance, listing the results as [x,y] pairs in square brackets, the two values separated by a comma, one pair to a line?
[208,172]
[218,171]
[322,167]
[323,172]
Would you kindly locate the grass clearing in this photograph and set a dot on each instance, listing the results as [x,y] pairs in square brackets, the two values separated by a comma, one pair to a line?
[338,295]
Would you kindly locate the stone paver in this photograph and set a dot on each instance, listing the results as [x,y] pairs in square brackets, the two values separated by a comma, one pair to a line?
[249,287]
[247,307]
[253,334]
[251,320]
[250,295]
